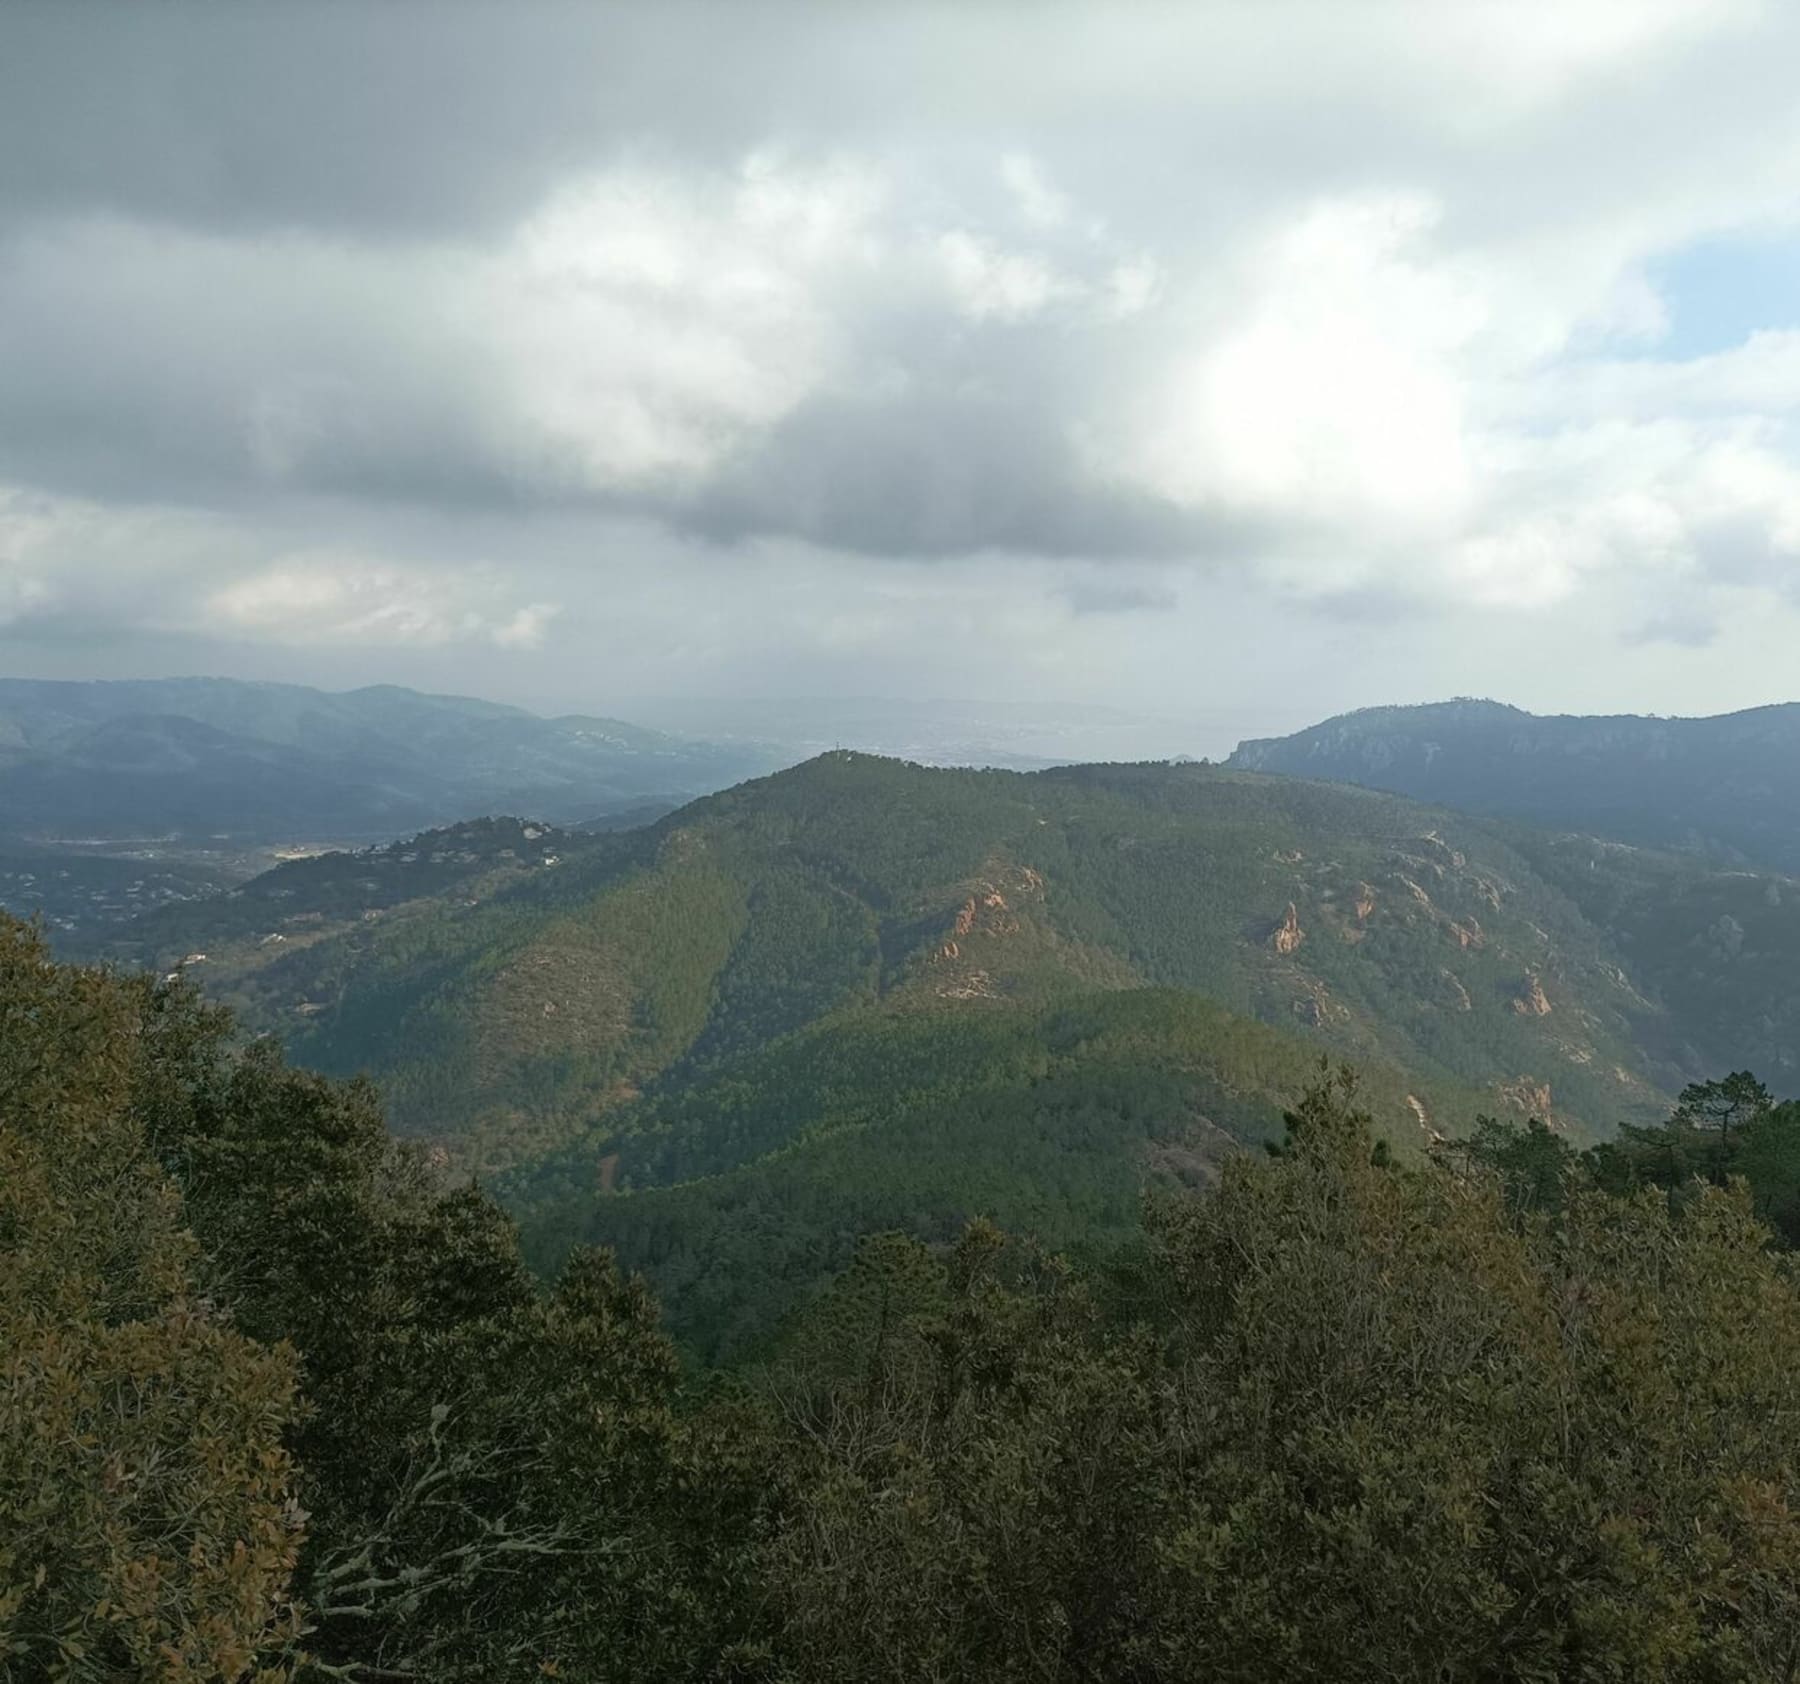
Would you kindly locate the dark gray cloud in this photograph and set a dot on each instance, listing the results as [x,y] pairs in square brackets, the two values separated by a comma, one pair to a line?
[382,122]
[939,474]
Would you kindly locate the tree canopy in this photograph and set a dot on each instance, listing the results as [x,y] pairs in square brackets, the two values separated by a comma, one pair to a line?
[278,1401]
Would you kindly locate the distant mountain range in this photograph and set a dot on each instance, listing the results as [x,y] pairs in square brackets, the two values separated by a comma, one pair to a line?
[1727,786]
[203,758]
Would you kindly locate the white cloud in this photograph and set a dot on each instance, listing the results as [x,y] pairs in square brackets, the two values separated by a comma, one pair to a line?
[24,524]
[330,597]
[1039,203]
[989,282]
[642,323]
[528,627]
[1331,393]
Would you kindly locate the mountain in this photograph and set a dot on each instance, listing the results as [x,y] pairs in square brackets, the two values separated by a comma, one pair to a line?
[1727,786]
[202,758]
[861,994]
[509,1002]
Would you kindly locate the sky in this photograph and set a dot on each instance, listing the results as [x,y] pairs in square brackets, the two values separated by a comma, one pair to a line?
[1224,363]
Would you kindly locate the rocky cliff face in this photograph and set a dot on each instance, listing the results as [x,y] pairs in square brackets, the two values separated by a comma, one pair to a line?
[1288,935]
[1532,1001]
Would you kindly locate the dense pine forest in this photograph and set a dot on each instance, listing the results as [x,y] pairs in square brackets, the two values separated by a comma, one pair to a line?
[279,1399]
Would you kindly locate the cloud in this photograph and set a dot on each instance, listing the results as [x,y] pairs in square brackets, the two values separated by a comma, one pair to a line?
[1039,203]
[1335,308]
[989,283]
[1333,390]
[172,571]
[336,598]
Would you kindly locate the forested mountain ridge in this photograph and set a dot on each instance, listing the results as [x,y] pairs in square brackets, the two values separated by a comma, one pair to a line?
[200,757]
[1727,786]
[1373,926]
[863,994]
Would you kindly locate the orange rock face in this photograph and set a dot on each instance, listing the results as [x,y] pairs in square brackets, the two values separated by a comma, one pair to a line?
[1532,1000]
[1288,934]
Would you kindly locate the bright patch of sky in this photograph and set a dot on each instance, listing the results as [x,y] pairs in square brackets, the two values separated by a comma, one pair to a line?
[1718,292]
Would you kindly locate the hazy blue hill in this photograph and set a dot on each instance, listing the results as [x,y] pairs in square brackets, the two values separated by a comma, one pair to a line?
[201,757]
[149,775]
[1728,786]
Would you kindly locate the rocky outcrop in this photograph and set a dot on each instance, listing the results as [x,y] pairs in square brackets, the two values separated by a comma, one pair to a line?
[1432,1137]
[1467,933]
[1312,1003]
[1364,903]
[975,985]
[1459,996]
[1527,1095]
[987,912]
[1531,1000]
[1288,934]
[996,916]
[1439,846]
[1417,892]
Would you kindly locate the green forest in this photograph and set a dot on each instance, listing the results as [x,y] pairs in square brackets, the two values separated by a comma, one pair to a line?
[528,996]
[280,1399]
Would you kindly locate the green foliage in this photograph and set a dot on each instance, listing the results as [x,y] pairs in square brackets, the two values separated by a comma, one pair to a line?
[145,1526]
[1712,951]
[1719,1131]
[498,1481]
[987,1509]
[863,1329]
[749,1191]
[1371,1426]
[1340,1411]
[1448,1446]
[1535,1165]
